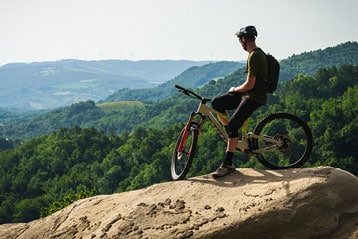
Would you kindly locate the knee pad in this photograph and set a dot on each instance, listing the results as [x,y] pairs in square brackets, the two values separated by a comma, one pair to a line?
[217,105]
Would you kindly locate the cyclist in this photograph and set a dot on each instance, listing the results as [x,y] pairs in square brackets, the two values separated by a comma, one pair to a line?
[244,99]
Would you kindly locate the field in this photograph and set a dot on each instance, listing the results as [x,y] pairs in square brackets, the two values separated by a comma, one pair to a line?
[118,105]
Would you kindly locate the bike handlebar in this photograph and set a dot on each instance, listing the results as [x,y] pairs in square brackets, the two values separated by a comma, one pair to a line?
[190,93]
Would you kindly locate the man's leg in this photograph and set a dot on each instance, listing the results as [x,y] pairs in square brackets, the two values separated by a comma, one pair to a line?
[228,101]
[230,150]
[231,144]
[244,110]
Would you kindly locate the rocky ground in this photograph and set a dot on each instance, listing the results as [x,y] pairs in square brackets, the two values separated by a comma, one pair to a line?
[299,203]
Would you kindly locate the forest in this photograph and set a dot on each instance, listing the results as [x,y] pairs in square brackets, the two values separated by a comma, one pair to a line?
[100,152]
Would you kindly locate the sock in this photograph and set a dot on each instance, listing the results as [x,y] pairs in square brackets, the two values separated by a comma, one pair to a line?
[228,159]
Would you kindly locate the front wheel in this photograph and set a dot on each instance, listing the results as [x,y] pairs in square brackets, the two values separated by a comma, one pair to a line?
[291,143]
[184,152]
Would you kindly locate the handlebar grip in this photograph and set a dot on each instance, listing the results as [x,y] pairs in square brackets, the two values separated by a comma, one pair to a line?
[179,87]
[190,93]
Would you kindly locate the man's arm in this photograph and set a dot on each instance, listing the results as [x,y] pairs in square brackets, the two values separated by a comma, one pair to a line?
[246,86]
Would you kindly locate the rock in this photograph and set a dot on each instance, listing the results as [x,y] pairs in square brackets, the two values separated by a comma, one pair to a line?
[297,203]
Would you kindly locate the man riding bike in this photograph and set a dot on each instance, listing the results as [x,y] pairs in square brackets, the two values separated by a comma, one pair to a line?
[243,99]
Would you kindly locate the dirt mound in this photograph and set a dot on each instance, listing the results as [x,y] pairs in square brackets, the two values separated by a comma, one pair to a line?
[297,203]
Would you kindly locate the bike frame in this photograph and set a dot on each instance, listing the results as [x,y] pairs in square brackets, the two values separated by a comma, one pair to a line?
[205,111]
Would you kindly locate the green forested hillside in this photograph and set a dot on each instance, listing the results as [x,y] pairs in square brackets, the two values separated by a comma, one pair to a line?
[119,151]
[76,115]
[193,77]
[21,125]
[309,62]
[165,112]
[304,63]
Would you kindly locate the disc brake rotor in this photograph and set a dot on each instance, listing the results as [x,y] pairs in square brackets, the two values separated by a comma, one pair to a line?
[283,142]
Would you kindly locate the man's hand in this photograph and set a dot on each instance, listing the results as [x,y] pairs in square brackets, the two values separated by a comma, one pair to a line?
[232,89]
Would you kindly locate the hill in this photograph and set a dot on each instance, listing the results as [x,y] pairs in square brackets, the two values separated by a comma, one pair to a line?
[299,203]
[305,63]
[48,85]
[193,77]
[44,85]
[166,111]
[309,62]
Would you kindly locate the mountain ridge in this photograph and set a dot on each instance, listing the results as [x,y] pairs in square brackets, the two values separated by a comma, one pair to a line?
[192,77]
[48,85]
[304,63]
[155,113]
[43,85]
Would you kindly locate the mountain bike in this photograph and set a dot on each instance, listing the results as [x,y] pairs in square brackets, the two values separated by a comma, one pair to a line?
[278,141]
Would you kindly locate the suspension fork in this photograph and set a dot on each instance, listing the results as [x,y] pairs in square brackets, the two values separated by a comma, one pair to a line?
[192,124]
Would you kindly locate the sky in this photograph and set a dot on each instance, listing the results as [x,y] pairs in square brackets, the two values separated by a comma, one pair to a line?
[49,30]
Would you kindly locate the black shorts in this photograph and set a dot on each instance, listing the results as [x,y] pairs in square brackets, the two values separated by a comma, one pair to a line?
[242,105]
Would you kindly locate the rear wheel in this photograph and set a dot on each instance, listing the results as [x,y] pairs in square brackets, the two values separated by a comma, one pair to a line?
[184,152]
[293,141]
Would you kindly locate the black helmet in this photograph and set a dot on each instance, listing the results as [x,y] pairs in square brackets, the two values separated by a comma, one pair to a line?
[249,31]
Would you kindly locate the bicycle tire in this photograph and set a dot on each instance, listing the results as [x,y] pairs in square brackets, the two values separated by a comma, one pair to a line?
[181,161]
[294,145]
